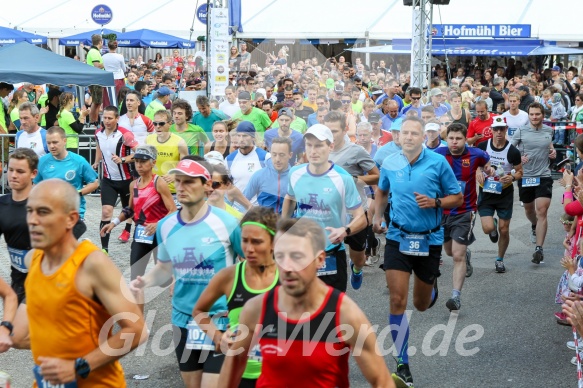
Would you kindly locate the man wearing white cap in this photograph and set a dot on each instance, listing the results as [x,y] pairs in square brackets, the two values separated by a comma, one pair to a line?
[325,193]
[497,193]
[194,243]
[436,95]
[433,140]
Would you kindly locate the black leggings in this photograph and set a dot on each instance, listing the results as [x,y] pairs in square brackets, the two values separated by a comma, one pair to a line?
[140,256]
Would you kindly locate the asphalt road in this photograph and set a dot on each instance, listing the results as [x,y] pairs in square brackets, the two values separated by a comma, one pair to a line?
[504,336]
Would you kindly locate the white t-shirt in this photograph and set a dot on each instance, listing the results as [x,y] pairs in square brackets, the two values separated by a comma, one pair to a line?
[228,108]
[114,63]
[34,141]
[521,119]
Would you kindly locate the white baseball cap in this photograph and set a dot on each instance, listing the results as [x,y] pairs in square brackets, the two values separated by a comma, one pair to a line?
[321,132]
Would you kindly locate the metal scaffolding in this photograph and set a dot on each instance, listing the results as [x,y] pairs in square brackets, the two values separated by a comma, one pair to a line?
[421,43]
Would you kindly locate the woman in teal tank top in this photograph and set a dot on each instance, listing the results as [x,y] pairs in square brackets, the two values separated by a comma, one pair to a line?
[247,279]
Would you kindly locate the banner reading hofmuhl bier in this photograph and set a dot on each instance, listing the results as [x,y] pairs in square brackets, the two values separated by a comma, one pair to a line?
[219,50]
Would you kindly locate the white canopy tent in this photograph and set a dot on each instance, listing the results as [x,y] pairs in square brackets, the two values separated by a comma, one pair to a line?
[296,19]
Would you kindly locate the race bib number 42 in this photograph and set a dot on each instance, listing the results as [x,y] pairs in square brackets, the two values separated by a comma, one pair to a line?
[493,187]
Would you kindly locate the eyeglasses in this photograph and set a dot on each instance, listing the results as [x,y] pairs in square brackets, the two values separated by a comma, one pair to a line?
[215,185]
[344,102]
[446,122]
[499,129]
[159,123]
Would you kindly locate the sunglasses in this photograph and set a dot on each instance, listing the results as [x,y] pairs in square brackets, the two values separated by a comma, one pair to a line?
[344,102]
[215,185]
[498,129]
[566,222]
[159,123]
[415,98]
[446,122]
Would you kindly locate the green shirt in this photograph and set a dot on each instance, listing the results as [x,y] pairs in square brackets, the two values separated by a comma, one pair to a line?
[357,108]
[42,102]
[298,124]
[257,117]
[194,137]
[15,118]
[3,118]
[65,119]
[154,107]
[94,56]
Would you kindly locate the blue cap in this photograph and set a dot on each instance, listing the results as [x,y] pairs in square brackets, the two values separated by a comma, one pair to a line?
[246,127]
[396,125]
[164,91]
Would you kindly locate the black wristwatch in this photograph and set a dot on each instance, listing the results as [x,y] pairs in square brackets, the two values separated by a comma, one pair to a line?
[437,203]
[123,160]
[347,229]
[7,325]
[82,367]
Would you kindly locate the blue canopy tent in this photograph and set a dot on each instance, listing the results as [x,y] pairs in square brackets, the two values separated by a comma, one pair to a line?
[148,38]
[24,62]
[11,36]
[84,37]
[478,47]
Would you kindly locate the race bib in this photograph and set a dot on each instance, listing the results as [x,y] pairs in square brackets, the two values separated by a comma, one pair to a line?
[17,259]
[141,237]
[329,267]
[414,244]
[462,186]
[530,182]
[492,186]
[255,354]
[197,338]
[511,131]
[42,383]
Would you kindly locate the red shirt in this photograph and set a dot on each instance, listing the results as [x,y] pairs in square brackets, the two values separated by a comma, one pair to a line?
[386,137]
[482,127]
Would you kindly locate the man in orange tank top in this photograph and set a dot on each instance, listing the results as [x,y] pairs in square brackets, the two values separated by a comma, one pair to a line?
[73,292]
[301,301]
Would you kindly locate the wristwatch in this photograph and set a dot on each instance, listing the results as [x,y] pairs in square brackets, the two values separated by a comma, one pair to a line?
[80,193]
[347,229]
[123,160]
[437,203]
[82,367]
[7,325]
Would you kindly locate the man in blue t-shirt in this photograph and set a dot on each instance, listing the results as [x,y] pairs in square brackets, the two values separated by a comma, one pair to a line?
[195,243]
[327,194]
[285,118]
[70,167]
[421,183]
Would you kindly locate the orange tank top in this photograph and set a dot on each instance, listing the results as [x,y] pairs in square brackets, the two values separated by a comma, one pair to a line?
[63,323]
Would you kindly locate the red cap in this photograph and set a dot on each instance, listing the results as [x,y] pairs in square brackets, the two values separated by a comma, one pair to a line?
[191,168]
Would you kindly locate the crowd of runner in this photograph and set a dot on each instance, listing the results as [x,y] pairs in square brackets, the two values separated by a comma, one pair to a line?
[259,209]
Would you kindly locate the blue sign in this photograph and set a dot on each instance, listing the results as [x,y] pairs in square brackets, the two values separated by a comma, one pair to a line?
[101,14]
[202,13]
[481,30]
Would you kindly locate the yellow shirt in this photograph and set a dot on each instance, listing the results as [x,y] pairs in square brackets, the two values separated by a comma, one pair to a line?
[168,155]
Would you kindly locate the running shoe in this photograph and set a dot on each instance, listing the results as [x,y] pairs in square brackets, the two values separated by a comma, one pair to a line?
[562,319]
[436,294]
[533,236]
[355,278]
[124,237]
[469,267]
[105,250]
[402,377]
[538,257]
[375,251]
[453,304]
[500,268]
[571,344]
[574,361]
[494,234]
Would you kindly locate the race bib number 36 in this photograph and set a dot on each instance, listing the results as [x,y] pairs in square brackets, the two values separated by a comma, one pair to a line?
[414,245]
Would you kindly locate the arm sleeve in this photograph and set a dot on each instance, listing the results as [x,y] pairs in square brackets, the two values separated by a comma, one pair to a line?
[77,126]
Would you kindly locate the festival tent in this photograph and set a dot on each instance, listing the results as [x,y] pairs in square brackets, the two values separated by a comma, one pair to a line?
[471,47]
[84,37]
[24,62]
[10,36]
[149,38]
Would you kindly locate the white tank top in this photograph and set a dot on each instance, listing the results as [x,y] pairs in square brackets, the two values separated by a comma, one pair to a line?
[498,158]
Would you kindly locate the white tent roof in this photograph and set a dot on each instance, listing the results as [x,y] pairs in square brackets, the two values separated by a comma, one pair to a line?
[296,19]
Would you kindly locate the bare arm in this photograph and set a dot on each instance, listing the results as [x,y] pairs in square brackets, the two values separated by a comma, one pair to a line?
[364,345]
[10,306]
[183,148]
[91,187]
[166,195]
[289,204]
[372,177]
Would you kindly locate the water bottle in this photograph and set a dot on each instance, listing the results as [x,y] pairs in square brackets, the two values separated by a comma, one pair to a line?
[4,380]
[569,153]
[500,171]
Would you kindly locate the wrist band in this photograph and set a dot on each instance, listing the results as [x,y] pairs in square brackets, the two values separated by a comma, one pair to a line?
[259,225]
[116,221]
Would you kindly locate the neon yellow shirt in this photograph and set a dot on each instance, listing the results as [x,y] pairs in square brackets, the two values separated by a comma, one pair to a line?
[168,155]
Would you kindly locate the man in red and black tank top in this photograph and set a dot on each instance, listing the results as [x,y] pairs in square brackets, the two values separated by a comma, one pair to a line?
[297,325]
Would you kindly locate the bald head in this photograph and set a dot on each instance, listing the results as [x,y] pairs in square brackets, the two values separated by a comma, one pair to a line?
[61,191]
[393,108]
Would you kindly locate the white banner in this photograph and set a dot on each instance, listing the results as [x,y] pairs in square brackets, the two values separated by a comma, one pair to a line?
[219,51]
